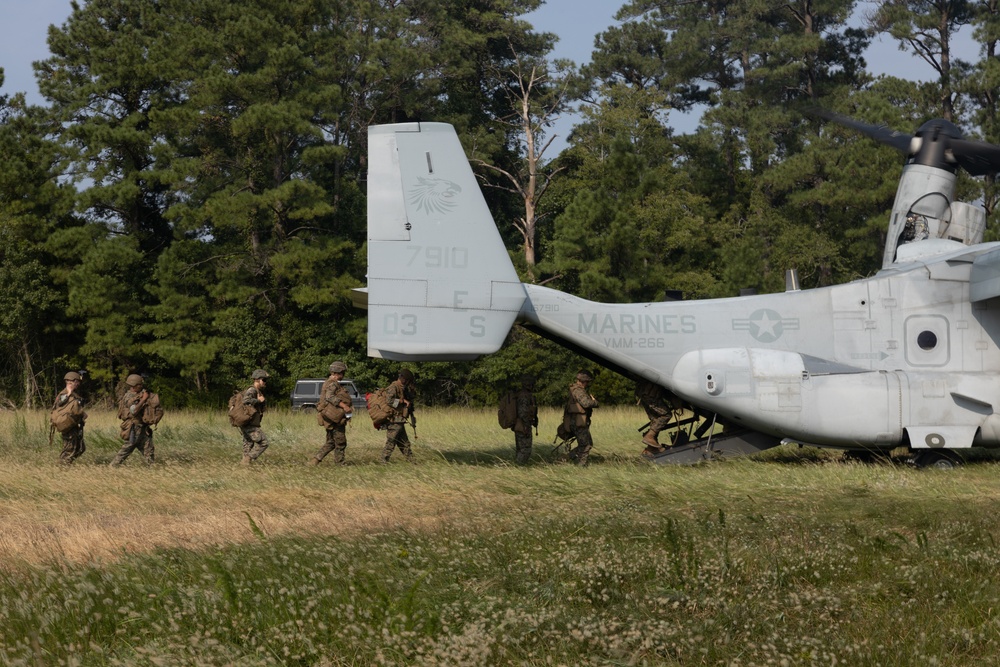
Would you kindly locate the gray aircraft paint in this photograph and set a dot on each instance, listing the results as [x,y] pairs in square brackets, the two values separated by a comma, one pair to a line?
[911,352]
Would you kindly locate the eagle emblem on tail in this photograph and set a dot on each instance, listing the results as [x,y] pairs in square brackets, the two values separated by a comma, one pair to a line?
[434,195]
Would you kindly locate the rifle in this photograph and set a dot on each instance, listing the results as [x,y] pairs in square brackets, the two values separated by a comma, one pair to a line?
[567,442]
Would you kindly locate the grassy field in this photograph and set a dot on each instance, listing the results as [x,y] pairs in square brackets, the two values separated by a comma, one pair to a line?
[792,558]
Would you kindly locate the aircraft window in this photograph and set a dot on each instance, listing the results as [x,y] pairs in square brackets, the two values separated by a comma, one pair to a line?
[927,340]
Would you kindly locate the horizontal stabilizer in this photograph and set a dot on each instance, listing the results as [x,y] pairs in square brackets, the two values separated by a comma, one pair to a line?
[440,283]
[359,297]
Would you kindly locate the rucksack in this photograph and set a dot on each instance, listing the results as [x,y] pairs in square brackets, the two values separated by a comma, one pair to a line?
[327,413]
[378,408]
[240,413]
[507,413]
[67,416]
[321,405]
[152,412]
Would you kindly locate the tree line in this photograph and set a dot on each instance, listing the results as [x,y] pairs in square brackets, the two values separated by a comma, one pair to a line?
[189,201]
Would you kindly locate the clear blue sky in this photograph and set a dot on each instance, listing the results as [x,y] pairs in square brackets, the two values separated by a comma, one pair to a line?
[23,31]
[24,27]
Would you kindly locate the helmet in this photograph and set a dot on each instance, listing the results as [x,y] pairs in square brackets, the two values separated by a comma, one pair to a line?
[584,376]
[133,379]
[338,367]
[259,374]
[406,375]
[72,375]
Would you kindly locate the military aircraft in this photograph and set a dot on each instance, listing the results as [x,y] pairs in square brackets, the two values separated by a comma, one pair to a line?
[908,357]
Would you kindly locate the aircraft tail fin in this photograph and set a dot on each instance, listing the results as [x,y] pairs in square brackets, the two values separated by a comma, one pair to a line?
[440,283]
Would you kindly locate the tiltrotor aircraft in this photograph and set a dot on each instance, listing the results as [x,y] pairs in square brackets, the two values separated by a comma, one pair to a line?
[908,357]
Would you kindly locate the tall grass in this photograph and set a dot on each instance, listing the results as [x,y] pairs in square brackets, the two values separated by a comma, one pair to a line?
[465,559]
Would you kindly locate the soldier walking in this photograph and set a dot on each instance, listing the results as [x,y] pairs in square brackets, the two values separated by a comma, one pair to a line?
[576,416]
[653,399]
[71,402]
[400,396]
[138,434]
[335,409]
[254,440]
[527,416]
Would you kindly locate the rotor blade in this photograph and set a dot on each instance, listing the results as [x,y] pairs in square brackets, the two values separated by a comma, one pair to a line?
[976,157]
[880,133]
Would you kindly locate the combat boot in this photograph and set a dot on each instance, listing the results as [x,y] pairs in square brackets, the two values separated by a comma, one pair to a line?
[652,452]
[313,461]
[650,440]
[246,460]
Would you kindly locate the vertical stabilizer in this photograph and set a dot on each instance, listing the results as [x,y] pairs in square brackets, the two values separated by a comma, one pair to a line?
[440,283]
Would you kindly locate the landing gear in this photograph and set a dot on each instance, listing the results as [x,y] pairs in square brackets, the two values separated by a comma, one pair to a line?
[943,459]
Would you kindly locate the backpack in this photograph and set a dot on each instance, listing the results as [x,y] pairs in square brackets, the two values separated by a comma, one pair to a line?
[331,414]
[240,413]
[327,413]
[378,408]
[507,413]
[321,406]
[152,412]
[68,416]
[563,431]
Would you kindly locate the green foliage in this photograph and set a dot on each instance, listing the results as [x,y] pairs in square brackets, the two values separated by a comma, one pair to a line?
[928,28]
[179,330]
[106,291]
[979,84]
[34,209]
[633,229]
[107,78]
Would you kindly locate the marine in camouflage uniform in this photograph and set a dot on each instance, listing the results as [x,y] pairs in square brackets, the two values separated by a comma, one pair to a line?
[576,416]
[254,440]
[527,416]
[653,399]
[130,409]
[333,393]
[73,444]
[400,396]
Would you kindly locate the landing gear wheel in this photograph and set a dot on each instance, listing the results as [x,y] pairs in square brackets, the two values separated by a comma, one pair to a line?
[943,459]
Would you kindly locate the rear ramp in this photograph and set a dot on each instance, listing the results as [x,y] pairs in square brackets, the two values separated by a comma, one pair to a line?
[717,447]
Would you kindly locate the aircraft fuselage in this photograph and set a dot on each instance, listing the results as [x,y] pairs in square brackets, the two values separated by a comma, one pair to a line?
[864,363]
